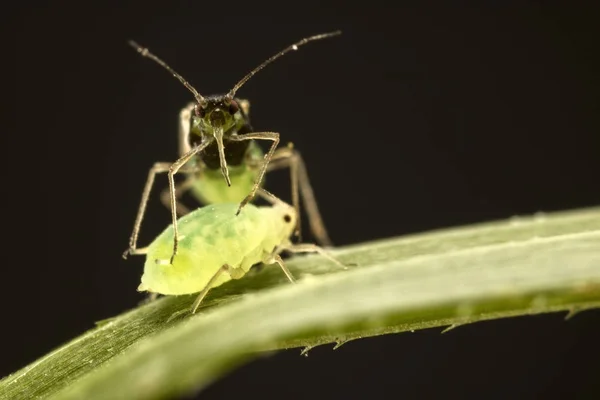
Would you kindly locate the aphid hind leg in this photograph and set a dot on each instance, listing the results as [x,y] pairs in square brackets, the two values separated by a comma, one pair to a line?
[173,169]
[289,157]
[224,268]
[274,137]
[180,190]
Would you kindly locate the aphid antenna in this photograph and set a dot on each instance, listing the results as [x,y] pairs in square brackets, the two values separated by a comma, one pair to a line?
[146,53]
[201,101]
[230,95]
[294,47]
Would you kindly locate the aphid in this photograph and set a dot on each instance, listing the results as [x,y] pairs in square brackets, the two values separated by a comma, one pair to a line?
[216,138]
[216,245]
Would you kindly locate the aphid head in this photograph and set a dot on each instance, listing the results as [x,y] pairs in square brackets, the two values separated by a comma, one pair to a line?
[285,219]
[216,114]
[206,107]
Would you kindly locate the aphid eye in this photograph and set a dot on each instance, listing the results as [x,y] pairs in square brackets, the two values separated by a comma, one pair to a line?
[287,218]
[200,111]
[233,107]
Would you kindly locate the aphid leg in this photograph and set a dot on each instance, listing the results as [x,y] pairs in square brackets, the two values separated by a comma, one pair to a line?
[245,106]
[202,295]
[137,252]
[276,258]
[185,116]
[289,157]
[268,196]
[180,189]
[311,248]
[273,136]
[157,168]
[173,169]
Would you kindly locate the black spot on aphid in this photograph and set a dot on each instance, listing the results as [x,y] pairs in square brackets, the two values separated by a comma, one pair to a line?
[287,218]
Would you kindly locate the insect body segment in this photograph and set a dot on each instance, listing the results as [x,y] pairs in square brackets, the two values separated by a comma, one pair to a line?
[242,157]
[219,118]
[211,237]
[217,246]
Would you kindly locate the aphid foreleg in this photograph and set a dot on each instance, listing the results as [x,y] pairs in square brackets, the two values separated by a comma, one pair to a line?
[268,196]
[276,258]
[245,106]
[273,136]
[137,252]
[180,189]
[157,168]
[311,248]
[289,157]
[173,169]
[209,285]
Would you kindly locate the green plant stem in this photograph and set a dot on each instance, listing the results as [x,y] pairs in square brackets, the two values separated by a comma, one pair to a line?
[452,277]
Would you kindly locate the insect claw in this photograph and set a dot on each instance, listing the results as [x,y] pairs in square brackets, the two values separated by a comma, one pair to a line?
[242,205]
[172,258]
[126,253]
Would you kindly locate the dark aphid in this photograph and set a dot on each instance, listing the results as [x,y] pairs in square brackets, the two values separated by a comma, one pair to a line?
[216,139]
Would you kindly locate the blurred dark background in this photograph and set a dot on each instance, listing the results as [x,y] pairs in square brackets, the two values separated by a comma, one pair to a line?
[416,118]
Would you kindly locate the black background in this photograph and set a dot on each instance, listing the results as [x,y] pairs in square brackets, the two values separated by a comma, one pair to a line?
[415,118]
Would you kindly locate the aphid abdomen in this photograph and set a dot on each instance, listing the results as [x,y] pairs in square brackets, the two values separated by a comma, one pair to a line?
[251,259]
[189,273]
[211,237]
[212,188]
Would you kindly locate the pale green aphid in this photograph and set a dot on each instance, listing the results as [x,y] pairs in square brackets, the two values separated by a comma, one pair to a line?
[217,246]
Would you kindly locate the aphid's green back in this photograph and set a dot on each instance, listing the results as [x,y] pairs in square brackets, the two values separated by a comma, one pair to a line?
[209,237]
[211,188]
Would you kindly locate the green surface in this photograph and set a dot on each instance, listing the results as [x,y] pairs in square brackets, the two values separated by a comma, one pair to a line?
[522,266]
